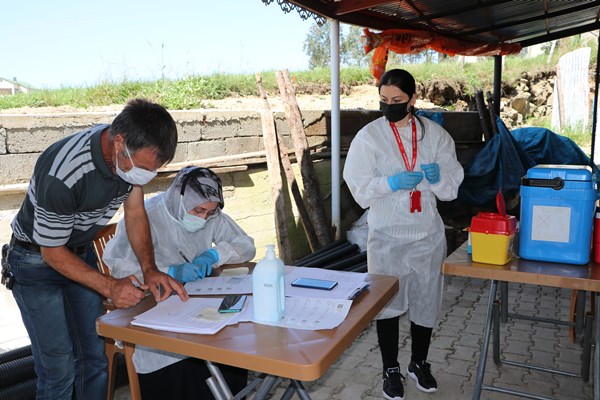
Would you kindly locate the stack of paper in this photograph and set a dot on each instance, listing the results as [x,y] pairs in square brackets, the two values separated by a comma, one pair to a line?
[197,315]
[221,285]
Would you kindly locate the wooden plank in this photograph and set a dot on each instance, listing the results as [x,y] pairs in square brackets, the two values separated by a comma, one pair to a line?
[312,192]
[272,153]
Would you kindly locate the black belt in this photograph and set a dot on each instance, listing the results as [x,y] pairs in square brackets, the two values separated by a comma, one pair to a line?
[80,250]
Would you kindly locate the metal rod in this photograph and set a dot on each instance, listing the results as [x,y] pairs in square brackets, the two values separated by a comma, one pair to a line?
[485,343]
[334,34]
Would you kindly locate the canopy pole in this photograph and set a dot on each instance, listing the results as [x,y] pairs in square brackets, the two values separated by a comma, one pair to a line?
[595,105]
[334,35]
[497,84]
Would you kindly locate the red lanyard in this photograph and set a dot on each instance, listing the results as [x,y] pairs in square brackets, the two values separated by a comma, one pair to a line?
[401,146]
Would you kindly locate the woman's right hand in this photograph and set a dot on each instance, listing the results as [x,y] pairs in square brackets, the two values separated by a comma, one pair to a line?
[406,180]
[186,272]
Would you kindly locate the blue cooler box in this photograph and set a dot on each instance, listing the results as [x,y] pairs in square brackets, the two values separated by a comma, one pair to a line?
[557,213]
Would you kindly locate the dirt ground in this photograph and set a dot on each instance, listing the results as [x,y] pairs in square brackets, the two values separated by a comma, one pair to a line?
[364,96]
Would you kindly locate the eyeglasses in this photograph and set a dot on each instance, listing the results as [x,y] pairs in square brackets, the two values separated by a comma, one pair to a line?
[204,213]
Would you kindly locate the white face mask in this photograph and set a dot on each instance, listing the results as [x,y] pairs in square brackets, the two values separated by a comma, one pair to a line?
[136,175]
[192,223]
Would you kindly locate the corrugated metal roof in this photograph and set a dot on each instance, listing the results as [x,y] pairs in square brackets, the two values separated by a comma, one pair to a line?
[524,22]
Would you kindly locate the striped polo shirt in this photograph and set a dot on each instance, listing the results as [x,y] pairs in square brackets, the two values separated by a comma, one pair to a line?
[72,193]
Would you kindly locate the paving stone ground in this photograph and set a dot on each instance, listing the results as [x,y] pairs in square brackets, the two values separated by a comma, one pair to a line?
[454,351]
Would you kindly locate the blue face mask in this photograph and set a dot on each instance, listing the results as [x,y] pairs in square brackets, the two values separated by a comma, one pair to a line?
[192,223]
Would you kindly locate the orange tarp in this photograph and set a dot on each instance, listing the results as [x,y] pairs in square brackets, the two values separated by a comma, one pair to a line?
[404,41]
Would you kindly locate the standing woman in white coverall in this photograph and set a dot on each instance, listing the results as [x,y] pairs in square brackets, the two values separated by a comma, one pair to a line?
[398,166]
[186,222]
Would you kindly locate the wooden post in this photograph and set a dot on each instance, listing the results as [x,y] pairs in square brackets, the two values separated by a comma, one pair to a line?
[484,116]
[270,141]
[312,192]
[291,179]
[493,124]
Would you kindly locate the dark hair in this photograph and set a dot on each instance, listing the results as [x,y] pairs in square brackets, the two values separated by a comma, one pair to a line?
[146,125]
[400,78]
[404,81]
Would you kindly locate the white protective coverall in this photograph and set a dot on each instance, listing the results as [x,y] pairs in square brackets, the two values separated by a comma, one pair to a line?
[169,237]
[411,246]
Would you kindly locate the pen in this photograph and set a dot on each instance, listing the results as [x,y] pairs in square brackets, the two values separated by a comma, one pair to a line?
[358,292]
[137,286]
[183,256]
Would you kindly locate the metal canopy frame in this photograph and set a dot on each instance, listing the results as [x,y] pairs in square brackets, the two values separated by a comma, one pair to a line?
[523,22]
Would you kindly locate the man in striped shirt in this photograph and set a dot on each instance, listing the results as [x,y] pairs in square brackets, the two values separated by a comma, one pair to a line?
[78,184]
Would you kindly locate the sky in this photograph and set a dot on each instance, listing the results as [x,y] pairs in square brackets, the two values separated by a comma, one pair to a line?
[79,43]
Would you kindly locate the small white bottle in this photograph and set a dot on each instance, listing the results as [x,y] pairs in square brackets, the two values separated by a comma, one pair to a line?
[268,288]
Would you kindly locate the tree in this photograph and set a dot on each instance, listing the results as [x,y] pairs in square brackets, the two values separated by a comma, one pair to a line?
[317,45]
[352,51]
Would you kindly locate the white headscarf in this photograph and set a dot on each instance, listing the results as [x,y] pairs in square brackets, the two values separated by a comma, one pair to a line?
[198,186]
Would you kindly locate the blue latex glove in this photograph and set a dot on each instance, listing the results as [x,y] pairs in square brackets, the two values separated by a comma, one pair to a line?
[186,272]
[432,172]
[205,261]
[406,180]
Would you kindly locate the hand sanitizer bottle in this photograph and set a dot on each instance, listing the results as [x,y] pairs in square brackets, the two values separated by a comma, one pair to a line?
[268,288]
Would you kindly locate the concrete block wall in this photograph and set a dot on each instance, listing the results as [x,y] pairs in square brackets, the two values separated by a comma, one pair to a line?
[201,135]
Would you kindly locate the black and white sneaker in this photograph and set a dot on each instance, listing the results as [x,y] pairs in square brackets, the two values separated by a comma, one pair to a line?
[392,384]
[421,374]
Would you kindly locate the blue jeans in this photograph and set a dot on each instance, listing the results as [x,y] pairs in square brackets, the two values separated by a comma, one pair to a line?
[60,317]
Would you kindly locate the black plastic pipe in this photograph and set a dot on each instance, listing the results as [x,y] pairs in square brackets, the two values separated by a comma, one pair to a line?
[359,268]
[16,371]
[24,390]
[337,254]
[321,251]
[347,263]
[15,354]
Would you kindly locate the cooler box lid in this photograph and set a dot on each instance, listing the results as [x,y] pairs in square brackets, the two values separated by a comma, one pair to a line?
[564,172]
[494,223]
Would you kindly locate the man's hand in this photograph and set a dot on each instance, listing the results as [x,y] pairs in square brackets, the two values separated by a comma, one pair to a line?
[156,279]
[124,293]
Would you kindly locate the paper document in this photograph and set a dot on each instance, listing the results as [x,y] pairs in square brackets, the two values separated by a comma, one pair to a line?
[220,285]
[312,313]
[197,315]
[349,283]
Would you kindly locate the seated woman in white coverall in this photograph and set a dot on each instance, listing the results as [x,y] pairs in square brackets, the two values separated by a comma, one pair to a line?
[186,221]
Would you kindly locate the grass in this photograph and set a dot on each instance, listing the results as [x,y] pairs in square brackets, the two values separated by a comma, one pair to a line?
[197,91]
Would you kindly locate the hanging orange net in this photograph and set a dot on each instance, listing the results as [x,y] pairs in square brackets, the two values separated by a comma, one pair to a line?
[404,41]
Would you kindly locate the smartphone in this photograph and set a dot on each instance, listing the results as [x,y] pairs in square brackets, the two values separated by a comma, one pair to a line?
[232,303]
[314,283]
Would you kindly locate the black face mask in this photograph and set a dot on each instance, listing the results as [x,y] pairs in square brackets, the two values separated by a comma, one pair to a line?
[394,112]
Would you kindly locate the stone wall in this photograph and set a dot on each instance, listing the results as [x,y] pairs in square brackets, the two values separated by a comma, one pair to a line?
[206,135]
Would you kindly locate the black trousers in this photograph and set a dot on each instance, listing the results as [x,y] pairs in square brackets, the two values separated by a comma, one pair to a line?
[186,380]
[388,335]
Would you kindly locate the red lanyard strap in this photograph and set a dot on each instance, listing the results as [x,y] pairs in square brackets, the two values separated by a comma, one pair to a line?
[401,146]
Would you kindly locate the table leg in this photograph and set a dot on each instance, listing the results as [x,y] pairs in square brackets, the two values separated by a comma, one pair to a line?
[597,349]
[264,389]
[588,332]
[216,382]
[580,312]
[504,302]
[486,341]
[496,332]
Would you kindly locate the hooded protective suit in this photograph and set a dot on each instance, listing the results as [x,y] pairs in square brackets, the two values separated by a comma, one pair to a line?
[165,211]
[408,245]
